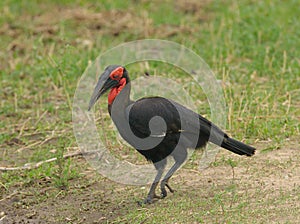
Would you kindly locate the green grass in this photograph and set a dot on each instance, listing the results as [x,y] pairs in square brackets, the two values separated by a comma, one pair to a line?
[252,47]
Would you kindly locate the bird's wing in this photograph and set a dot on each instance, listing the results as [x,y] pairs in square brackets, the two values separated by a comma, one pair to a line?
[177,118]
[153,116]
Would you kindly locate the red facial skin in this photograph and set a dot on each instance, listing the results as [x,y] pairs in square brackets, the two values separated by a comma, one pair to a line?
[116,75]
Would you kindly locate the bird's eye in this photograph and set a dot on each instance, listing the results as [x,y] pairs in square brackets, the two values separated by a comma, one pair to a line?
[117,73]
[116,76]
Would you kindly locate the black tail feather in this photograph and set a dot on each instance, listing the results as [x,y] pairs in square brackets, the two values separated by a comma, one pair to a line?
[237,147]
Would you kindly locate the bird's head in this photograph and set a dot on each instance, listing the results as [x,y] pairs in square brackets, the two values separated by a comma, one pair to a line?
[114,77]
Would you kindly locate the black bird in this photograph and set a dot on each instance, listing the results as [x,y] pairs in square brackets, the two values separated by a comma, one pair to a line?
[157,127]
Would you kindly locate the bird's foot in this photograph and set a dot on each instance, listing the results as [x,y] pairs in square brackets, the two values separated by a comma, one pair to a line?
[149,200]
[170,189]
[164,191]
[145,201]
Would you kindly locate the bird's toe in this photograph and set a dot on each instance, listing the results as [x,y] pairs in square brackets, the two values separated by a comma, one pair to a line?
[147,200]
[163,193]
[170,189]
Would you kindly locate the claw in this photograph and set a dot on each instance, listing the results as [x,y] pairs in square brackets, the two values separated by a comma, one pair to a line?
[149,200]
[163,193]
[170,189]
[163,189]
[145,201]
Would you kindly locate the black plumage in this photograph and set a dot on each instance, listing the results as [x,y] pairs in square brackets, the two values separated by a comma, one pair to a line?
[169,127]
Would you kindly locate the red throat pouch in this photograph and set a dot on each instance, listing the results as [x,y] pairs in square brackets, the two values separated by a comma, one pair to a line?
[115,91]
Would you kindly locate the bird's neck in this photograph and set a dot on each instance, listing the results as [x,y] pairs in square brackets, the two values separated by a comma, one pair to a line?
[122,93]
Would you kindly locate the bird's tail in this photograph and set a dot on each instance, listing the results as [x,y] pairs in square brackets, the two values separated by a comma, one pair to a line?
[217,136]
[237,147]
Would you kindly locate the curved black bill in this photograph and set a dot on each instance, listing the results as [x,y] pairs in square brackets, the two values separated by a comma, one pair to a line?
[104,84]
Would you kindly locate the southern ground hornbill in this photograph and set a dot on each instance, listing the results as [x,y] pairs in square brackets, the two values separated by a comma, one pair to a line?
[174,130]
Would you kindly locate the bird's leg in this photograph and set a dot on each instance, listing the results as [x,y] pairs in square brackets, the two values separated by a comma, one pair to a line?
[160,166]
[179,159]
[151,194]
[168,186]
[165,180]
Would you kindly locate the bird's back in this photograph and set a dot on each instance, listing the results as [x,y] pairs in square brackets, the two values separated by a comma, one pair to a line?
[161,109]
[173,123]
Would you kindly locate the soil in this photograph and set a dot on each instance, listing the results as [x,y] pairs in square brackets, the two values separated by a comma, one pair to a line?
[94,199]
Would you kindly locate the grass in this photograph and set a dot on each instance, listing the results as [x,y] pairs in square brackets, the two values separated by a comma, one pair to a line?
[252,47]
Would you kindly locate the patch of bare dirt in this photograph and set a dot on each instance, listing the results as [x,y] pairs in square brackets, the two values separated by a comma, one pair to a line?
[195,8]
[111,22]
[85,201]
[93,199]
[48,26]
[274,170]
[88,23]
